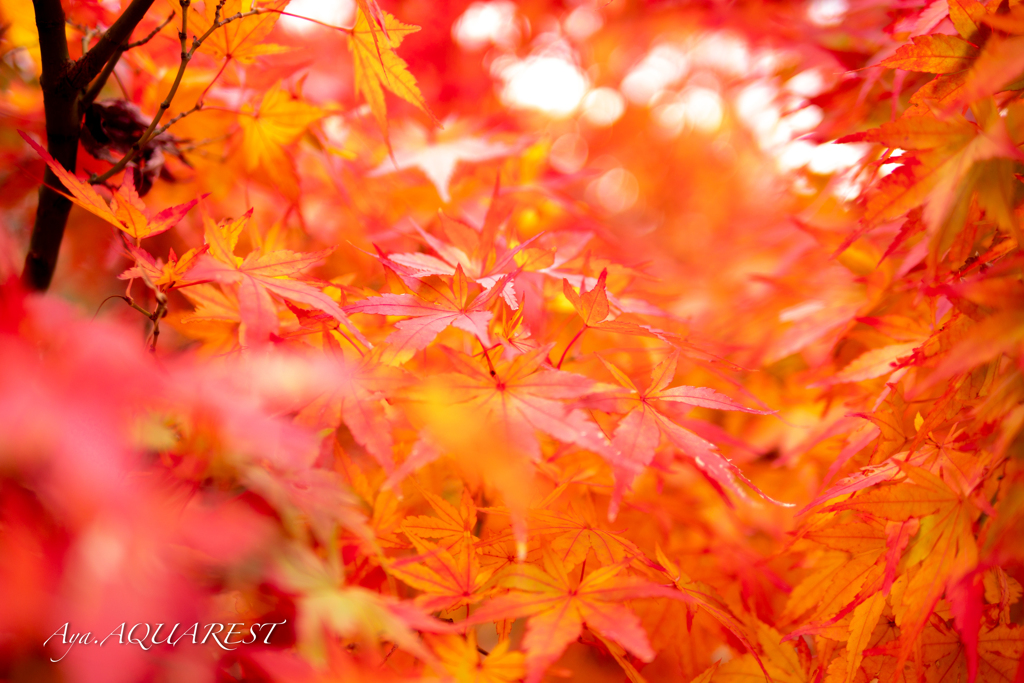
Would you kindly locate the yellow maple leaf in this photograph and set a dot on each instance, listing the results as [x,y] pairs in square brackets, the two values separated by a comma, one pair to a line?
[378,67]
[279,119]
[240,39]
[462,660]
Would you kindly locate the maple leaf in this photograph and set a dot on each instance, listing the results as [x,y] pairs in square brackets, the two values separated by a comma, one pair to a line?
[865,618]
[215,319]
[935,54]
[481,256]
[639,433]
[378,67]
[577,533]
[461,659]
[326,606]
[875,363]
[558,607]
[998,67]
[156,273]
[258,276]
[242,39]
[426,318]
[448,579]
[500,409]
[357,400]
[999,651]
[934,177]
[278,120]
[453,527]
[594,308]
[945,545]
[129,213]
[968,17]
[523,395]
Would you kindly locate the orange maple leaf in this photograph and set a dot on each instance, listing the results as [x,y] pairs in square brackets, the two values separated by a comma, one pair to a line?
[258,276]
[639,433]
[466,663]
[129,214]
[425,318]
[558,607]
[935,54]
[448,579]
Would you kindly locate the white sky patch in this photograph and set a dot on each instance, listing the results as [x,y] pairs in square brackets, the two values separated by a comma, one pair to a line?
[547,83]
[333,12]
[336,129]
[760,107]
[794,155]
[806,119]
[663,66]
[827,12]
[484,23]
[848,188]
[832,158]
[603,107]
[886,169]
[807,83]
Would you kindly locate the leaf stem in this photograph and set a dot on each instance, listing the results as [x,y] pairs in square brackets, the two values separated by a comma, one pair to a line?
[487,357]
[569,346]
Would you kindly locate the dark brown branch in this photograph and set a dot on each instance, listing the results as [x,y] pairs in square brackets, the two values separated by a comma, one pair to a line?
[90,65]
[62,130]
[186,57]
[62,82]
[53,42]
[97,85]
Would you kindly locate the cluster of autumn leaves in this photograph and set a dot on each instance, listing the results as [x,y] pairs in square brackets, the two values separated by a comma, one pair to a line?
[486,450]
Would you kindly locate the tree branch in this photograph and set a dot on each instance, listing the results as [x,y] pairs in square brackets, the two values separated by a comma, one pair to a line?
[53,42]
[90,65]
[62,131]
[62,82]
[97,85]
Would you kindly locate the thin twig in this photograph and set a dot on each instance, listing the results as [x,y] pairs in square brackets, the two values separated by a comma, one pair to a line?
[186,57]
[112,296]
[388,655]
[97,85]
[120,84]
[89,66]
[158,313]
[152,34]
[198,106]
[205,141]
[154,317]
